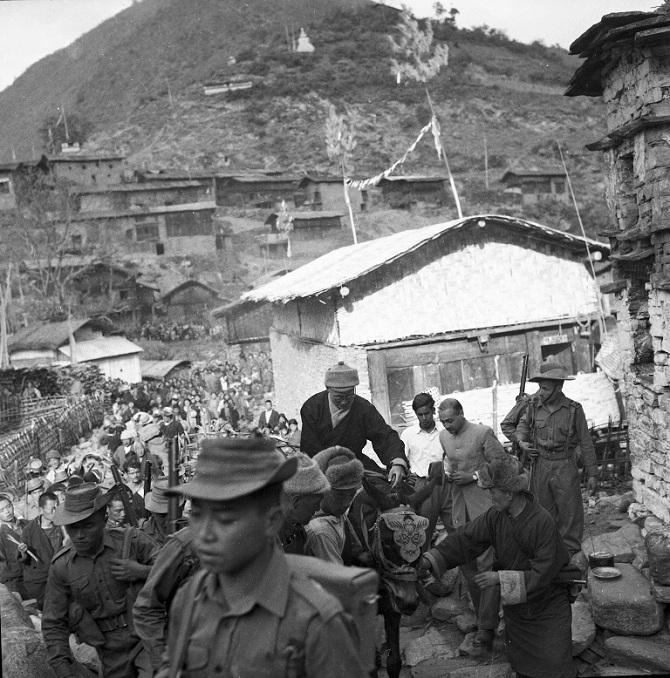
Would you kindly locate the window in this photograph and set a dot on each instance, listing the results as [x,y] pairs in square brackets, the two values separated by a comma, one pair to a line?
[123,295]
[185,224]
[146,231]
[76,241]
[130,234]
[4,187]
[160,248]
[559,186]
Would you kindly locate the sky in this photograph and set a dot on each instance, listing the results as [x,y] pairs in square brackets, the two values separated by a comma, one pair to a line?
[31,29]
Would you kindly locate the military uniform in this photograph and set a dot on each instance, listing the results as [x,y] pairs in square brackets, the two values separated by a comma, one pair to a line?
[74,578]
[11,569]
[557,429]
[298,630]
[175,562]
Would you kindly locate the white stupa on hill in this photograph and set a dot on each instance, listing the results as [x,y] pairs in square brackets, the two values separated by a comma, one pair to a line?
[304,43]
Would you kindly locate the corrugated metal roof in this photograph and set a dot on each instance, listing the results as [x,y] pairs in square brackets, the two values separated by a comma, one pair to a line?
[348,263]
[101,348]
[159,369]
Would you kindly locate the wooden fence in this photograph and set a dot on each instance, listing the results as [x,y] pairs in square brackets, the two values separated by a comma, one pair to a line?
[16,411]
[58,427]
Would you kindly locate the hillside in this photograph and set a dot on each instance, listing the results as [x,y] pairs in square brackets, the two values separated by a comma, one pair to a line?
[137,79]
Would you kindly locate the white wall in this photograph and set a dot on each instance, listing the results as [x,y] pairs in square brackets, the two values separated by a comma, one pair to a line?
[125,367]
[488,285]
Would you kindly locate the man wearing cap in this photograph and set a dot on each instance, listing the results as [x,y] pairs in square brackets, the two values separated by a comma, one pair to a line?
[529,554]
[468,447]
[246,613]
[327,531]
[90,585]
[156,504]
[337,416]
[11,570]
[40,539]
[304,492]
[551,430]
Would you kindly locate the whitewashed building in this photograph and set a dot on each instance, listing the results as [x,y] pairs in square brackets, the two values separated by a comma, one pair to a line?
[451,306]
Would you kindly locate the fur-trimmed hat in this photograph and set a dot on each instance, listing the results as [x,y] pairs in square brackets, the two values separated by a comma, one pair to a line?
[506,474]
[341,468]
[308,479]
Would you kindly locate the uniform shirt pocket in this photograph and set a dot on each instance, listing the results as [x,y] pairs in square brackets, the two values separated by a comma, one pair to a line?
[84,593]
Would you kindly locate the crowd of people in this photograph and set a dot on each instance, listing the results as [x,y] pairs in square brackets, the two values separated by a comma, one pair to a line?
[195,578]
[169,330]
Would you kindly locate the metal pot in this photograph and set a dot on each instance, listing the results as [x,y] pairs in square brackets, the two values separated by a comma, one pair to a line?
[601,559]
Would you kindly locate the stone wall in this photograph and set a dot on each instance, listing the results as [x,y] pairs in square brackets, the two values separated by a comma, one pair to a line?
[636,90]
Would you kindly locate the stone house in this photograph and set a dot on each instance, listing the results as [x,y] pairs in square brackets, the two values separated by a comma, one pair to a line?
[171,230]
[627,62]
[255,190]
[530,185]
[325,192]
[88,170]
[446,306]
[138,195]
[405,191]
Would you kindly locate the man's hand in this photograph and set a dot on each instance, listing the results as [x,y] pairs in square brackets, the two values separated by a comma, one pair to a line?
[125,569]
[486,579]
[423,570]
[396,474]
[462,478]
[592,484]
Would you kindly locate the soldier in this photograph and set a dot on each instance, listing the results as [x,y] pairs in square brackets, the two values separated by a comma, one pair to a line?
[550,431]
[337,416]
[156,504]
[304,492]
[175,562]
[90,588]
[246,614]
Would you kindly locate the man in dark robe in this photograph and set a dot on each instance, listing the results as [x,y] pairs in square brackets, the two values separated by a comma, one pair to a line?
[337,416]
[529,554]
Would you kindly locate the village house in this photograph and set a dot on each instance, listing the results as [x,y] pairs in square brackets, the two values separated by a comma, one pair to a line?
[452,306]
[139,195]
[405,191]
[324,192]
[190,301]
[12,172]
[533,184]
[88,169]
[312,234]
[627,62]
[255,190]
[172,230]
[76,340]
[159,370]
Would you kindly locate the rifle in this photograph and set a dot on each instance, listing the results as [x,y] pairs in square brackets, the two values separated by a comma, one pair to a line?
[123,495]
[516,450]
[173,479]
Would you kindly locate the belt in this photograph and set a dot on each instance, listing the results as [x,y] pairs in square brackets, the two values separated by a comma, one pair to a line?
[553,455]
[113,623]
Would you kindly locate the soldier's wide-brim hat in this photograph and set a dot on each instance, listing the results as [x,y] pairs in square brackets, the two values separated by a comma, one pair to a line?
[230,468]
[551,372]
[34,484]
[157,500]
[81,501]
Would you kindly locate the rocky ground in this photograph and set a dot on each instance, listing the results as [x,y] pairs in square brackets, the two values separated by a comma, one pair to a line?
[619,627]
